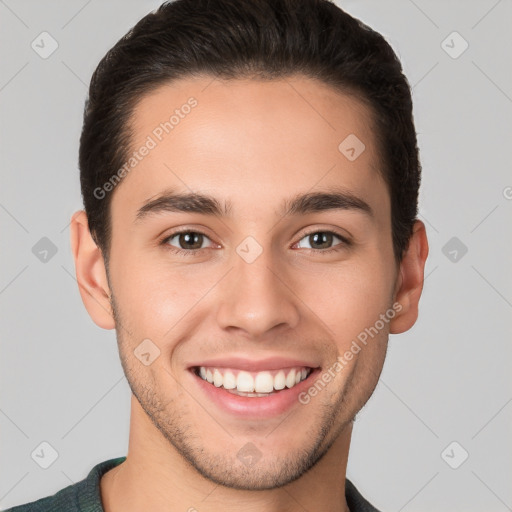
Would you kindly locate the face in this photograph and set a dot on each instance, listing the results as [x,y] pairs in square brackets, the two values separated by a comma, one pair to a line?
[250,287]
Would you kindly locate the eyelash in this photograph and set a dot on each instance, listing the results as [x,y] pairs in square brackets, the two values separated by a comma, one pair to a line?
[193,252]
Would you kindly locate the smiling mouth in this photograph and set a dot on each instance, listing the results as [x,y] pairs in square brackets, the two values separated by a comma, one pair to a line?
[253,384]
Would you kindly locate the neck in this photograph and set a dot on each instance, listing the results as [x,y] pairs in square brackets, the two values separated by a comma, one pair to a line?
[156,477]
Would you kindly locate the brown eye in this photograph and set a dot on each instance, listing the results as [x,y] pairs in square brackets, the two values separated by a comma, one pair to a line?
[190,240]
[186,240]
[322,241]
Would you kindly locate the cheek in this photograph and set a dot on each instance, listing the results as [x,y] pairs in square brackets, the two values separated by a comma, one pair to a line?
[348,298]
[153,297]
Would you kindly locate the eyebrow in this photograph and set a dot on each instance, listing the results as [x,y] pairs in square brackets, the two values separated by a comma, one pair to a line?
[300,204]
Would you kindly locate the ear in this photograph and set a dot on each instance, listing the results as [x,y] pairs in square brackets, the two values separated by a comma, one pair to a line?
[409,283]
[90,272]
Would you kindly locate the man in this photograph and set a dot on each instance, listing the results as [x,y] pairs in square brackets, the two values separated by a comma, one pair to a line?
[250,176]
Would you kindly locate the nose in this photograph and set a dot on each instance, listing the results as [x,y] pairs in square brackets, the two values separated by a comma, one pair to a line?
[257,297]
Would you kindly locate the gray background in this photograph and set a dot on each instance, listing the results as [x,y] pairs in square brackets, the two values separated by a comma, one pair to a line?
[447,379]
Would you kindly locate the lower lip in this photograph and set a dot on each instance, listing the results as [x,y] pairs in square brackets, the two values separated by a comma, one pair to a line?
[255,407]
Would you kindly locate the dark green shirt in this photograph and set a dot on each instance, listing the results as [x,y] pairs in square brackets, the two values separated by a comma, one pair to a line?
[84,496]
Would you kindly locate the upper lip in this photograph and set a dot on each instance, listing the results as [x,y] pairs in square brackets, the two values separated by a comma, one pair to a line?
[253,365]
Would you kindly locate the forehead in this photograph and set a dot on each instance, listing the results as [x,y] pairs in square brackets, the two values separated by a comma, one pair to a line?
[248,139]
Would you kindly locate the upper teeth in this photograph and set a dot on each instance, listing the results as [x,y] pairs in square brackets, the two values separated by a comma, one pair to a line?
[259,382]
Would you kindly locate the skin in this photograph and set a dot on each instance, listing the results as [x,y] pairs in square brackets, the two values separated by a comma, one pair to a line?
[255,143]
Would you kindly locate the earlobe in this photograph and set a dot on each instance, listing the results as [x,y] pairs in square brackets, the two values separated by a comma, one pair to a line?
[410,280]
[90,272]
